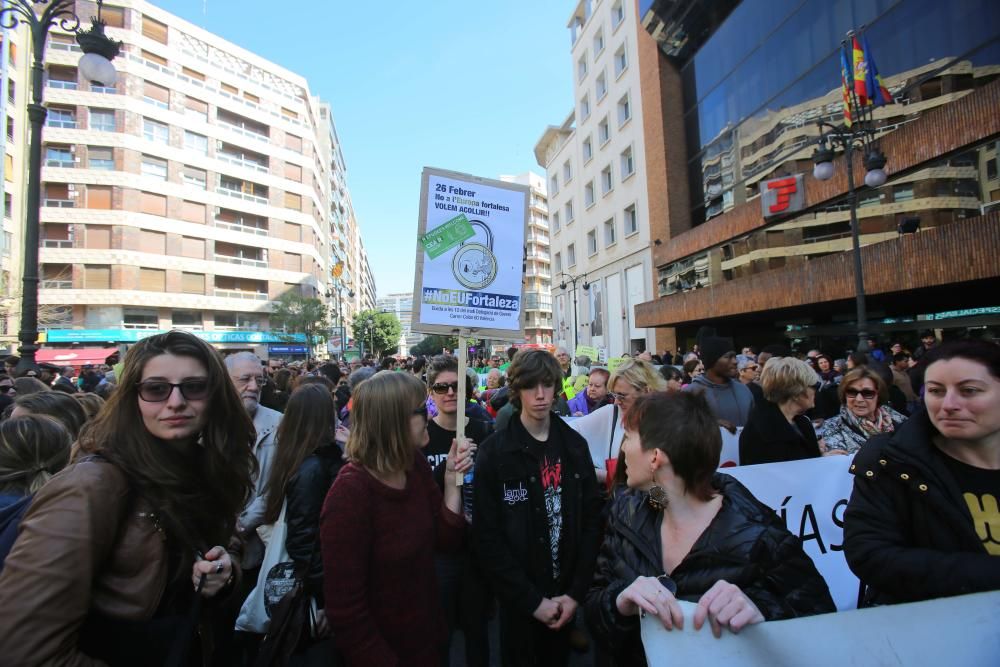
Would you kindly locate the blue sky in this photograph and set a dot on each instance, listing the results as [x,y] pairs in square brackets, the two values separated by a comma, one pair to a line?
[468,86]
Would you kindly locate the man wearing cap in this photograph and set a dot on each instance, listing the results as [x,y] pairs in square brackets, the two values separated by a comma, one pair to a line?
[729,399]
[47,373]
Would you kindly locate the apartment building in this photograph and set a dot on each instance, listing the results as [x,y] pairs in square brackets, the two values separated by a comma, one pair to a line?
[203,186]
[537,311]
[14,60]
[595,171]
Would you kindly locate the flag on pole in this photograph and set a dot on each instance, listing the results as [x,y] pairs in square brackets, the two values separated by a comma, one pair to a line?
[846,84]
[875,90]
[860,71]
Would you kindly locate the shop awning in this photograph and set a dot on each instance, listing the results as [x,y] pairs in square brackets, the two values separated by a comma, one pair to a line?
[75,356]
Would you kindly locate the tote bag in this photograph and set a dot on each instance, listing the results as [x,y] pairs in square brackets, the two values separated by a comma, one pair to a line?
[276,578]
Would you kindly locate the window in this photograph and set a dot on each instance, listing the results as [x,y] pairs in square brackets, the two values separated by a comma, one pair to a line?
[293,143]
[558,262]
[568,210]
[192,74]
[603,131]
[584,108]
[154,167]
[589,196]
[154,130]
[553,184]
[598,43]
[250,97]
[99,197]
[621,61]
[237,320]
[156,95]
[58,156]
[195,177]
[60,117]
[152,280]
[555,221]
[624,110]
[610,235]
[627,163]
[592,242]
[101,157]
[581,67]
[101,119]
[288,113]
[607,180]
[98,237]
[571,254]
[196,142]
[192,247]
[293,201]
[902,192]
[153,204]
[588,149]
[631,221]
[601,86]
[155,30]
[196,106]
[113,16]
[96,276]
[193,283]
[152,242]
[617,13]
[567,172]
[62,77]
[187,318]
[193,211]
[293,172]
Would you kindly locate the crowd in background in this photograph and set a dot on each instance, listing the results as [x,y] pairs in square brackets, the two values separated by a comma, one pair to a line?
[194,509]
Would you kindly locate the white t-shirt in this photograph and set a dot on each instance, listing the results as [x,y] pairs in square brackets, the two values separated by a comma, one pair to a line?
[596,429]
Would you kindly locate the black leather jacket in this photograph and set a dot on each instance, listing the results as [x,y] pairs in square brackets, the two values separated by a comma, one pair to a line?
[908,533]
[746,545]
[305,494]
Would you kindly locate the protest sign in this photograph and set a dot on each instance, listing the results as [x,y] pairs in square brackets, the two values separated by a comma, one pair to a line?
[470,256]
[957,631]
[586,351]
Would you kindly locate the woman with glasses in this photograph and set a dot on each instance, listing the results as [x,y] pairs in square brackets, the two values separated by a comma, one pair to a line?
[863,413]
[119,550]
[381,523]
[778,429]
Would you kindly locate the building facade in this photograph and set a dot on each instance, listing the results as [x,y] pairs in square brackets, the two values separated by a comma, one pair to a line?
[734,95]
[203,186]
[595,164]
[537,311]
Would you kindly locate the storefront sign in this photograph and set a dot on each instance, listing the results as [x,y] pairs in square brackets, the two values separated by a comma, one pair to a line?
[470,255]
[287,349]
[782,195]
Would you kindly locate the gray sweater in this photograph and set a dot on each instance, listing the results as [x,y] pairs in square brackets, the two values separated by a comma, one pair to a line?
[730,401]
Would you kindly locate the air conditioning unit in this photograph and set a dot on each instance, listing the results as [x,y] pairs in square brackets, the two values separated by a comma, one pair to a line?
[71,187]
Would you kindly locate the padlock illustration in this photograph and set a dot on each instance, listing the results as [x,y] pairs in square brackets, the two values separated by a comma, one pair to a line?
[474,264]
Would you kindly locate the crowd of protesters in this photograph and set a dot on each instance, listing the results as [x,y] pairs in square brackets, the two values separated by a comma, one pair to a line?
[201,510]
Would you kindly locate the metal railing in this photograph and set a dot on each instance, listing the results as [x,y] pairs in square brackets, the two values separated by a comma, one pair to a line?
[241,195]
[58,203]
[261,264]
[241,162]
[57,284]
[237,227]
[57,243]
[240,294]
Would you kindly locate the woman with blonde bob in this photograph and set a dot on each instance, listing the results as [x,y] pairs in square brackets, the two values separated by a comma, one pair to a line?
[778,429]
[381,523]
[602,428]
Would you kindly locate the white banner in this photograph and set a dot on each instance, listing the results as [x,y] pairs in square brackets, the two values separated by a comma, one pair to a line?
[957,632]
[810,496]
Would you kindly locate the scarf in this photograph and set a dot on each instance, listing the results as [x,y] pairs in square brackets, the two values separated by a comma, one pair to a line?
[882,423]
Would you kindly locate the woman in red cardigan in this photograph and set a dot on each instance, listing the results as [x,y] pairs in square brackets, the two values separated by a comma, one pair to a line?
[381,522]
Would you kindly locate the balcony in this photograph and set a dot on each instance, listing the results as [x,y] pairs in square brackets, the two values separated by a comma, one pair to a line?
[240,161]
[59,203]
[57,284]
[239,294]
[239,227]
[244,261]
[62,85]
[540,239]
[57,243]
[241,195]
[533,272]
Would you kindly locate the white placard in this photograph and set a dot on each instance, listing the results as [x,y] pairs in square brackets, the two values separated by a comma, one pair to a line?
[475,285]
[958,632]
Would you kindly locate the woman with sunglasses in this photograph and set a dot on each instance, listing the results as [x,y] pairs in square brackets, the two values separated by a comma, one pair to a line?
[863,413]
[381,523]
[118,551]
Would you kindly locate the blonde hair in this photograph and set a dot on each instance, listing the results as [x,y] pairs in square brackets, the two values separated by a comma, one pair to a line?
[91,403]
[33,448]
[785,378]
[382,406]
[638,373]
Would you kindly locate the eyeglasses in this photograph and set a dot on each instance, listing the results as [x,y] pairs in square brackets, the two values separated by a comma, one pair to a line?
[157,391]
[867,394]
[421,411]
[259,380]
[443,387]
[620,397]
[4,388]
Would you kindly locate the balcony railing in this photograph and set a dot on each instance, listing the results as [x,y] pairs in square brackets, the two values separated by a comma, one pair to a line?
[237,227]
[241,195]
[64,85]
[261,264]
[58,203]
[57,284]
[65,164]
[139,325]
[241,162]
[240,294]
[246,132]
[57,243]
[56,122]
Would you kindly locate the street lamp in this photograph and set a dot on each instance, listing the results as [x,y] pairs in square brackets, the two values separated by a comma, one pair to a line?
[339,288]
[586,286]
[95,65]
[858,136]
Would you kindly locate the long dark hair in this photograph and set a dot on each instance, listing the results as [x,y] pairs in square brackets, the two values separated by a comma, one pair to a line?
[308,424]
[196,495]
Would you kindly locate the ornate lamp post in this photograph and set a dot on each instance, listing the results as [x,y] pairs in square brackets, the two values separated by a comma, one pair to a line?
[586,286]
[339,288]
[859,136]
[95,65]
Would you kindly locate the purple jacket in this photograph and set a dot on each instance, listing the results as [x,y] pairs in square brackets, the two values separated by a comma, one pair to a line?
[579,404]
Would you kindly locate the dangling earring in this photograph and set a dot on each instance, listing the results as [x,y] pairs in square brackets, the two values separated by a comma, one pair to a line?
[657,498]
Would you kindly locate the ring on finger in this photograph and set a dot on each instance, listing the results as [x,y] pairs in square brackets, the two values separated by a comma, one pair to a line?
[218,568]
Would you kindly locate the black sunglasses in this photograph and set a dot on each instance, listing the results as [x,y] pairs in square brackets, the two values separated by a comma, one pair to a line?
[4,388]
[867,394]
[157,391]
[443,387]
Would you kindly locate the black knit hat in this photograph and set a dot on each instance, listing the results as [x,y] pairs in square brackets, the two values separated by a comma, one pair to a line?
[713,348]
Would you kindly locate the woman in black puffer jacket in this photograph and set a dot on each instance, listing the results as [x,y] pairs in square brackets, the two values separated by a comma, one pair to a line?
[725,550]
